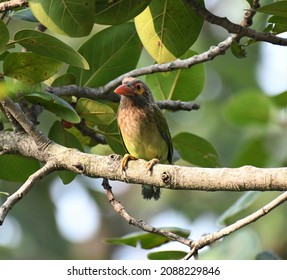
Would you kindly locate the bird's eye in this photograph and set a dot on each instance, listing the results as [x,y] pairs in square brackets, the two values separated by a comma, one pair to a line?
[139,87]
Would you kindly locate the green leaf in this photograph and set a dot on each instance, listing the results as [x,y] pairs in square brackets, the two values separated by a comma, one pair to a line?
[113,138]
[49,46]
[168,28]
[147,240]
[110,53]
[117,12]
[253,152]
[54,104]
[17,168]
[277,9]
[248,107]
[195,150]
[61,136]
[181,84]
[241,204]
[64,80]
[250,2]
[238,50]
[279,24]
[95,113]
[30,67]
[4,34]
[167,255]
[73,18]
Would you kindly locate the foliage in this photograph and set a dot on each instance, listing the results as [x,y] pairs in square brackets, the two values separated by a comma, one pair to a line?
[238,124]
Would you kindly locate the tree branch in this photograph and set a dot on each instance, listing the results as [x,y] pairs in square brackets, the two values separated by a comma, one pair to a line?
[104,91]
[173,177]
[18,115]
[24,189]
[9,5]
[118,207]
[233,28]
[212,237]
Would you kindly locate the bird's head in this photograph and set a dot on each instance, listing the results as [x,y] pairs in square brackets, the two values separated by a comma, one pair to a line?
[135,89]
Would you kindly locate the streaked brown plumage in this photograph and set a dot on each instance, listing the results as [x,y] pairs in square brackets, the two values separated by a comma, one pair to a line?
[143,128]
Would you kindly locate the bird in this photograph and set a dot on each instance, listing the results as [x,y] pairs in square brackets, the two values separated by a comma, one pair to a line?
[143,129]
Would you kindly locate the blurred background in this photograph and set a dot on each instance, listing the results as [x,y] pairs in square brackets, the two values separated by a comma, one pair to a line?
[56,221]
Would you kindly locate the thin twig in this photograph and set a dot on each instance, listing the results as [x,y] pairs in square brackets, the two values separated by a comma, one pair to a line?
[140,224]
[212,237]
[176,105]
[24,189]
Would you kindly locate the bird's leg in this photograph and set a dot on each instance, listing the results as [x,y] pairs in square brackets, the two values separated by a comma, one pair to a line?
[151,164]
[125,160]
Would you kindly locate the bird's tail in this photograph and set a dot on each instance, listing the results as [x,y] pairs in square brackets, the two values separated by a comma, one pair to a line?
[150,192]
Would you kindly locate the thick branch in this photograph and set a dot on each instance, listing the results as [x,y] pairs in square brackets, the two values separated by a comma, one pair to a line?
[24,122]
[172,177]
[9,5]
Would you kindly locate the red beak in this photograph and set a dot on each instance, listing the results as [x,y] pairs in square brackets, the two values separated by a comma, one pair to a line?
[124,90]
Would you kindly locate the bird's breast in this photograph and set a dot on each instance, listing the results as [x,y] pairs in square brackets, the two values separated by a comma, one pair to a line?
[141,135]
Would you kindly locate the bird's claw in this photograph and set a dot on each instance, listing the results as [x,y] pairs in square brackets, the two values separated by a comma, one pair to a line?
[151,164]
[125,160]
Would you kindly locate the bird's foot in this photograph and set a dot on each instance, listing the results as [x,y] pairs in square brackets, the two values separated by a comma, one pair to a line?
[125,160]
[151,164]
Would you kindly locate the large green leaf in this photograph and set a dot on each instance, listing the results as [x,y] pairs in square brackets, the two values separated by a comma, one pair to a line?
[47,45]
[168,28]
[182,84]
[248,107]
[147,240]
[110,53]
[30,67]
[278,8]
[55,105]
[61,136]
[4,34]
[116,12]
[70,17]
[95,113]
[17,168]
[195,150]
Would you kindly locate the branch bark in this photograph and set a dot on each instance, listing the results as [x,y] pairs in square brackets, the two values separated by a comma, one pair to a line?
[173,177]
[9,5]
